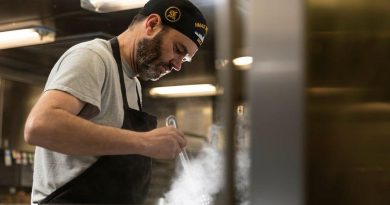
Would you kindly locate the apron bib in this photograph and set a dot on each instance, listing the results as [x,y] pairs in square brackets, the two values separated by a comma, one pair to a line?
[113,179]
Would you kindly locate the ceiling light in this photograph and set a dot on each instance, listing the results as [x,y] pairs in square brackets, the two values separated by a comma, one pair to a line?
[243,62]
[25,37]
[104,6]
[184,90]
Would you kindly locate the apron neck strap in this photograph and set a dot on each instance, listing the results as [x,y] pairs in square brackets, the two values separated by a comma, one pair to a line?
[116,52]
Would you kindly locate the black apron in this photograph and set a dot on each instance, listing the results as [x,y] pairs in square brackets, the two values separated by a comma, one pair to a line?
[113,179]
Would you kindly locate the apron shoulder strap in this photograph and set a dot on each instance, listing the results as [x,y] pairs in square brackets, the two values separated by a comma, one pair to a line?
[116,52]
[138,98]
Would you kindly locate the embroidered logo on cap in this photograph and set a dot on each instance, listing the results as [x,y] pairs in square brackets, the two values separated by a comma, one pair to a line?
[172,14]
[202,26]
[200,38]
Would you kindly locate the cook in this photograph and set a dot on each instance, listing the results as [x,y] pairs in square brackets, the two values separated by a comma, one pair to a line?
[94,143]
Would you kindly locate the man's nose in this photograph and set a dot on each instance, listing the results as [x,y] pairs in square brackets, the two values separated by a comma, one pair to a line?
[176,64]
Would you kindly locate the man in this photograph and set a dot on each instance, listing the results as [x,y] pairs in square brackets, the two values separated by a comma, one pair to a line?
[93,142]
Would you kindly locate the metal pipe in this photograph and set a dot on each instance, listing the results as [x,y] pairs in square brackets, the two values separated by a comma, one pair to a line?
[1,110]
[229,43]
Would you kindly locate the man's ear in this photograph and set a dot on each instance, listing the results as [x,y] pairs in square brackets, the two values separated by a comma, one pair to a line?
[153,24]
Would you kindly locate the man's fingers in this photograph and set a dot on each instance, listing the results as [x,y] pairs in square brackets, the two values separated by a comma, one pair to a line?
[181,139]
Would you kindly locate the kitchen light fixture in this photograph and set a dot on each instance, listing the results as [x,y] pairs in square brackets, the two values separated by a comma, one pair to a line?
[26,37]
[104,6]
[184,91]
[243,62]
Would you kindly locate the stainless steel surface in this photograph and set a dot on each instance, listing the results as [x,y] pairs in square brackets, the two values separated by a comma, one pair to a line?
[347,112]
[345,90]
[276,96]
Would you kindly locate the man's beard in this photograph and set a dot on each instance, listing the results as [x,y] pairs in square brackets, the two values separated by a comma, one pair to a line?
[148,54]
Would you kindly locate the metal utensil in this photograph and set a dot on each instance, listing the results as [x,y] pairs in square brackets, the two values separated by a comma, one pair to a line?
[184,160]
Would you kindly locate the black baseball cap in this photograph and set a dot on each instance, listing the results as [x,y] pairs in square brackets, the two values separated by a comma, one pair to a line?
[181,15]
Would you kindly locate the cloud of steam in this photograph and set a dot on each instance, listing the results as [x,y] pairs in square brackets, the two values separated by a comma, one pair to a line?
[205,178]
[242,157]
[198,185]
[242,177]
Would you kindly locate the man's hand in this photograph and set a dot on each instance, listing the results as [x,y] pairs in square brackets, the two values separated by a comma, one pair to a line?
[164,143]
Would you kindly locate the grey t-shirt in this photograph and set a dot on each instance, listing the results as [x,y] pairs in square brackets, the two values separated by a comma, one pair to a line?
[89,72]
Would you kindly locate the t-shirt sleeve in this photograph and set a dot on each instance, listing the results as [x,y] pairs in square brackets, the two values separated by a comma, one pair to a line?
[81,73]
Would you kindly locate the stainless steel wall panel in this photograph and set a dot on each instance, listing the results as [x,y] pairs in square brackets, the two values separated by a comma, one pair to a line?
[276,96]
[348,95]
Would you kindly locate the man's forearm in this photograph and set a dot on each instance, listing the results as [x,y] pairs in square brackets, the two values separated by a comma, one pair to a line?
[61,131]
